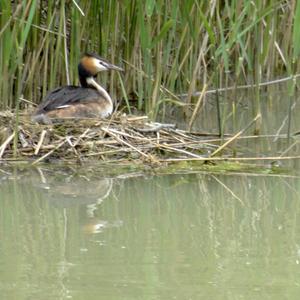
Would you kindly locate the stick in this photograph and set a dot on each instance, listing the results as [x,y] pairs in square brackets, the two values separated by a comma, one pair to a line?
[197,107]
[235,136]
[156,127]
[48,153]
[179,150]
[231,158]
[133,119]
[78,7]
[4,145]
[37,149]
[81,136]
[125,143]
[239,87]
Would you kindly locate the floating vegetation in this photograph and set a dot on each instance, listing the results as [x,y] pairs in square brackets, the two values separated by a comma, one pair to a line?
[121,139]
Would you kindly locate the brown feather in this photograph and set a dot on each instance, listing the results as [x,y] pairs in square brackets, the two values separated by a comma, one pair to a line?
[89,64]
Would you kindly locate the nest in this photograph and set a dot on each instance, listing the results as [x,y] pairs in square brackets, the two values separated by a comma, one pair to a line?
[117,139]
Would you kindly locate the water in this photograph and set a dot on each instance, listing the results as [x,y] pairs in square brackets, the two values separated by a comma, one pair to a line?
[72,233]
[198,236]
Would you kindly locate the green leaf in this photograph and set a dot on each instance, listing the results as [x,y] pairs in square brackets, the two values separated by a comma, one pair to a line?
[296,32]
[163,32]
[150,4]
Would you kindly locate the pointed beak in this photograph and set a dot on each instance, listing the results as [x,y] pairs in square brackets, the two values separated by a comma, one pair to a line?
[114,67]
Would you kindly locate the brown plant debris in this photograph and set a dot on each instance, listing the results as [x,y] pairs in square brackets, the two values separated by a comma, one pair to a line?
[117,139]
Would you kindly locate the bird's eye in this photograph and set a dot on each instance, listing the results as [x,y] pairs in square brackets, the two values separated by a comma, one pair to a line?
[100,65]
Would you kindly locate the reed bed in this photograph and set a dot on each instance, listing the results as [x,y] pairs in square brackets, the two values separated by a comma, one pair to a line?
[175,53]
[168,49]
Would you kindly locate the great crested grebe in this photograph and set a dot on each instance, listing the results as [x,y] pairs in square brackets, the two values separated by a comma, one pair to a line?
[90,100]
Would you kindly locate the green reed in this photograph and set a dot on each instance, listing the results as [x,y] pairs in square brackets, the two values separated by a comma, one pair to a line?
[167,48]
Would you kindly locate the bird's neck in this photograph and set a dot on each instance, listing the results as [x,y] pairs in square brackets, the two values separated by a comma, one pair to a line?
[90,82]
[83,81]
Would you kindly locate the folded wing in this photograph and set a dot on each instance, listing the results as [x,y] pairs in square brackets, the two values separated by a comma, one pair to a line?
[64,96]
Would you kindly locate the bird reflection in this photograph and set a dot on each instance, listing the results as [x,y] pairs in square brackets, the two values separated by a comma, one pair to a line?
[67,190]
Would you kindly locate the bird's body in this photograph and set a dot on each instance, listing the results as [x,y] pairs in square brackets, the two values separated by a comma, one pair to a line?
[75,102]
[89,100]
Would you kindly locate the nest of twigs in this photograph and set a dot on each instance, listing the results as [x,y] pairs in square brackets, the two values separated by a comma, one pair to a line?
[119,138]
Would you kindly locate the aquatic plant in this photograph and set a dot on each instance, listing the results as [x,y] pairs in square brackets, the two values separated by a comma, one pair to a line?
[171,50]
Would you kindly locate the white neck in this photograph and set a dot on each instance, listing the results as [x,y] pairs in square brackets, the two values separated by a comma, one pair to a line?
[91,81]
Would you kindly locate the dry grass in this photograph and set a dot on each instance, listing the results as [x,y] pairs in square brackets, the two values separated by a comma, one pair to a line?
[122,137]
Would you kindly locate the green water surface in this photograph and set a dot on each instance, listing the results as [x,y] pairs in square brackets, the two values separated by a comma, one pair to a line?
[198,236]
[68,234]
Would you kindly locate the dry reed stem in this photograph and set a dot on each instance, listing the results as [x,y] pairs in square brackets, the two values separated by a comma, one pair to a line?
[68,138]
[36,152]
[177,150]
[204,159]
[241,87]
[116,139]
[6,142]
[193,117]
[235,136]
[123,142]
[78,7]
[48,153]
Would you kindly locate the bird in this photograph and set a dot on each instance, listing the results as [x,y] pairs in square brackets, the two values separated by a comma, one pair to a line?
[90,100]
